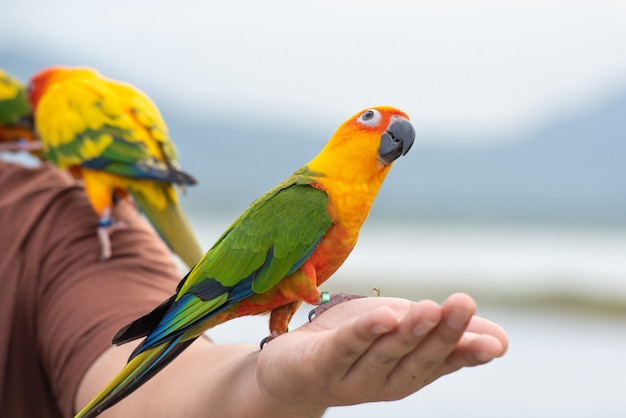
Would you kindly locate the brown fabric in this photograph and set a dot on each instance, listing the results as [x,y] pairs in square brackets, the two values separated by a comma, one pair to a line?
[59,305]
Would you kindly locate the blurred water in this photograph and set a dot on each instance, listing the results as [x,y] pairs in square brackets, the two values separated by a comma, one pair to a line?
[495,259]
[561,361]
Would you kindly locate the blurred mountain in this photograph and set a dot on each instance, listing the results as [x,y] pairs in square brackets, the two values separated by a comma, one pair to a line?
[570,169]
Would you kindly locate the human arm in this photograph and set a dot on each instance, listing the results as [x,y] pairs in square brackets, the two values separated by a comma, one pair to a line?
[60,305]
[359,351]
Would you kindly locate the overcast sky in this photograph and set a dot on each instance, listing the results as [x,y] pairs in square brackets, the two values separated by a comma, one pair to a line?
[481,68]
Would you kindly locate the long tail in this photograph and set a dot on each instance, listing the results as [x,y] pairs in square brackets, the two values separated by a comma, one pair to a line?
[171,223]
[137,371]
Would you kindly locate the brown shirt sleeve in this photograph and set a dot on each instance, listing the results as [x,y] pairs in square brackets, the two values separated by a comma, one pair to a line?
[62,305]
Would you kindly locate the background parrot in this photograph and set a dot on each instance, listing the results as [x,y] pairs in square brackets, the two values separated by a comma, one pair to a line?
[276,254]
[112,136]
[16,119]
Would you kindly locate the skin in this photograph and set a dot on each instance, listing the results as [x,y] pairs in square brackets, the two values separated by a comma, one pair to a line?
[363,350]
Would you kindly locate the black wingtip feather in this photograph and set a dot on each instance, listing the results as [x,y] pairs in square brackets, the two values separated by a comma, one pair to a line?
[143,326]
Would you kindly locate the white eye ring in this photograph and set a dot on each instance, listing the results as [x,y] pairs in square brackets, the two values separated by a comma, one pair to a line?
[371,117]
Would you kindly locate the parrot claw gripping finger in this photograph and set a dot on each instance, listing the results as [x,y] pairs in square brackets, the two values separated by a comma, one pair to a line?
[328,301]
[267,340]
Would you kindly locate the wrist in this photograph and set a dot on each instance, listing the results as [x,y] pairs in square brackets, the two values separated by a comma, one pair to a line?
[271,385]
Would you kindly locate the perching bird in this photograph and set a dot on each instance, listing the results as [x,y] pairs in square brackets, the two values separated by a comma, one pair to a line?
[276,254]
[112,136]
[16,119]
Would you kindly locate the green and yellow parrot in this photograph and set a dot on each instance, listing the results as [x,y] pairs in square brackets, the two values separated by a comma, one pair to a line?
[112,136]
[276,254]
[16,119]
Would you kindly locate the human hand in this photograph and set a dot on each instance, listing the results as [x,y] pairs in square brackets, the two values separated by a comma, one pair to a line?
[363,350]
[375,349]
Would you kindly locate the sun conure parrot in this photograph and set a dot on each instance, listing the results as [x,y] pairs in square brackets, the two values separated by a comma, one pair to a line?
[16,119]
[112,136]
[276,254]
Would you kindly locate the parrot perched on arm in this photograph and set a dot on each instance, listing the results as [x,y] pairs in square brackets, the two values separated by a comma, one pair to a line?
[16,119]
[112,136]
[276,254]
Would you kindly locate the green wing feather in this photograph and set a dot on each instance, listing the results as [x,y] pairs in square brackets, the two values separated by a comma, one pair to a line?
[14,105]
[269,241]
[288,219]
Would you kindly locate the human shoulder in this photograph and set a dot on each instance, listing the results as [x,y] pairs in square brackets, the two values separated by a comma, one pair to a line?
[18,181]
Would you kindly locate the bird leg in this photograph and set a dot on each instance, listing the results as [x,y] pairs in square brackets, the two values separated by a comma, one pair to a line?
[279,320]
[106,226]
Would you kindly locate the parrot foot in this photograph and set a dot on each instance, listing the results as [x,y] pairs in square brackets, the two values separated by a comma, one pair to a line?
[267,339]
[328,301]
[106,227]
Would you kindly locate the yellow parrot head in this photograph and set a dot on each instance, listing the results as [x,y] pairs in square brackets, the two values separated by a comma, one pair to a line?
[366,144]
[45,78]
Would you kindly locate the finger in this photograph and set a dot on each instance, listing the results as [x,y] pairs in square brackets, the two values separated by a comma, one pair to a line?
[473,350]
[477,349]
[484,326]
[384,355]
[416,368]
[458,311]
[346,344]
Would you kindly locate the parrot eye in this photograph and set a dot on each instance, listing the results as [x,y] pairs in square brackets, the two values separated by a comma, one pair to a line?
[370,117]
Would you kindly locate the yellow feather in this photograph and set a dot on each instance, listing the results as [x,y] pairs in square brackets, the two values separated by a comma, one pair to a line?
[91,148]
[87,120]
[351,182]
[9,86]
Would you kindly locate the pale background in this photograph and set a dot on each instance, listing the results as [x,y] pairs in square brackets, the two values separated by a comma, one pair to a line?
[514,190]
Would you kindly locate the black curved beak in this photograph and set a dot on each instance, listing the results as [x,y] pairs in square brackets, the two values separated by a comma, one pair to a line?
[396,141]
